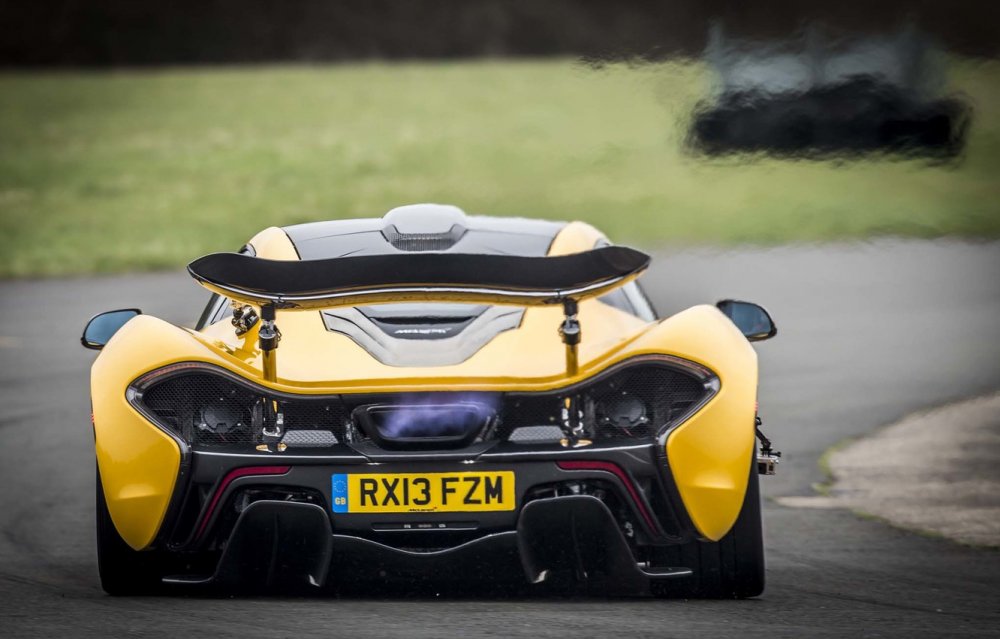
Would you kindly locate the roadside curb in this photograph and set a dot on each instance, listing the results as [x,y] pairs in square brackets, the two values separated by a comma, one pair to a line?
[936,472]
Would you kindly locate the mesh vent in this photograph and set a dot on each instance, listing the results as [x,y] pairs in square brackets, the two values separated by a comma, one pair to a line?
[423,241]
[309,439]
[631,404]
[209,410]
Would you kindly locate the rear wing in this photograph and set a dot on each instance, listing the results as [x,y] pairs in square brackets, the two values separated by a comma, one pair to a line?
[399,277]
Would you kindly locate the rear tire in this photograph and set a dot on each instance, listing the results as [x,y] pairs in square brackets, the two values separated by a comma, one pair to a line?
[123,571]
[731,568]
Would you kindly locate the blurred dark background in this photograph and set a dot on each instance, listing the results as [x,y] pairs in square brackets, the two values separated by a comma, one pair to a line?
[130,32]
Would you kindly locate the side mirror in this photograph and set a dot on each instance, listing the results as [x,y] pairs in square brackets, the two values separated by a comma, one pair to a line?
[102,326]
[753,321]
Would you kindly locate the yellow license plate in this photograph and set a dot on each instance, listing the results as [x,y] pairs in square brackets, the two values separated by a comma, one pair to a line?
[423,492]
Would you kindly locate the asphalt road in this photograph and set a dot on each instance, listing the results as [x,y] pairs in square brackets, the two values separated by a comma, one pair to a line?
[868,333]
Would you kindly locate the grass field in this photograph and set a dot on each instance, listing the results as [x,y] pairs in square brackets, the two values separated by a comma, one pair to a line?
[128,170]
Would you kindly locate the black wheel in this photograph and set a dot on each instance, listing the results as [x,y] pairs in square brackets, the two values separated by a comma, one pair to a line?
[731,568]
[123,571]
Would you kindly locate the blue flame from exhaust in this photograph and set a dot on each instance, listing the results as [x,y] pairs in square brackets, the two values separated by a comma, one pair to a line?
[454,415]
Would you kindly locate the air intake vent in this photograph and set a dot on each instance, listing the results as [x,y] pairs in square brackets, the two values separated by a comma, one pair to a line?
[423,241]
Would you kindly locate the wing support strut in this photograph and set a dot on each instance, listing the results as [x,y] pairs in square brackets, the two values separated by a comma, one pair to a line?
[268,338]
[569,330]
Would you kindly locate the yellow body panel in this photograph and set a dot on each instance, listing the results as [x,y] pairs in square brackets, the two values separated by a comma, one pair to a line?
[312,359]
[575,237]
[273,244]
[137,461]
[709,455]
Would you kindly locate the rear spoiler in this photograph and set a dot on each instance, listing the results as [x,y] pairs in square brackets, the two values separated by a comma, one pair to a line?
[399,277]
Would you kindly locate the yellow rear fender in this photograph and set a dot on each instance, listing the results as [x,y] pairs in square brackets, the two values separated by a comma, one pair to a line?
[710,453]
[139,462]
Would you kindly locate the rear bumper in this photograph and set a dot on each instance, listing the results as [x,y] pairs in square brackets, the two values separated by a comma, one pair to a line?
[268,519]
[637,474]
[278,544]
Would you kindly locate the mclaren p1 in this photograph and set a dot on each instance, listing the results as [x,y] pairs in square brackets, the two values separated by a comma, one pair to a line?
[430,393]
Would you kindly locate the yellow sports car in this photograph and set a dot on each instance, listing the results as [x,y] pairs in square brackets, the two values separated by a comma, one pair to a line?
[429,391]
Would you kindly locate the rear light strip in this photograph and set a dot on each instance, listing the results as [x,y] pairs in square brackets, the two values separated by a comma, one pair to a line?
[616,470]
[230,477]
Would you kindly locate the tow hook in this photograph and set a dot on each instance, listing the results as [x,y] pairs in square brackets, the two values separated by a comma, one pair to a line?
[767,458]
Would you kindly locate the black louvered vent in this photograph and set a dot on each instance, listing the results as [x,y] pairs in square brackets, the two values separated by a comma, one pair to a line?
[423,241]
[214,411]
